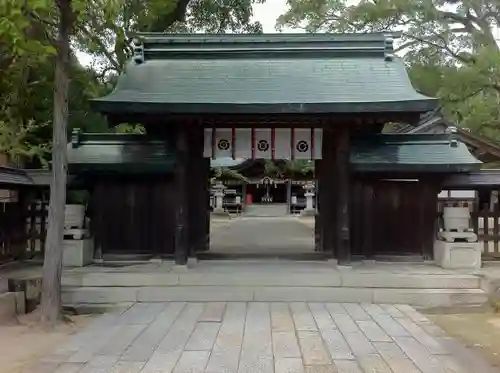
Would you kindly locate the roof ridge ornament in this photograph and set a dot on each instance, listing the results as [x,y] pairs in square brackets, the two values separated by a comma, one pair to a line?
[389,47]
[453,132]
[76,137]
[138,48]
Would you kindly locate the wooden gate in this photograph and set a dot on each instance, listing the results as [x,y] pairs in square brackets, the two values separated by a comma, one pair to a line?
[392,217]
[133,215]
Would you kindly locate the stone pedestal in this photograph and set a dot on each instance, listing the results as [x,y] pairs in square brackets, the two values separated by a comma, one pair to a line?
[78,253]
[457,255]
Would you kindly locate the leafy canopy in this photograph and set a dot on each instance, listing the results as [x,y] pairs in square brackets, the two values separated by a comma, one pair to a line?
[449,47]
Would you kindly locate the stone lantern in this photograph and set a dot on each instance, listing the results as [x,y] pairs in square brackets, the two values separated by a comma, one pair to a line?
[457,245]
[219,198]
[309,194]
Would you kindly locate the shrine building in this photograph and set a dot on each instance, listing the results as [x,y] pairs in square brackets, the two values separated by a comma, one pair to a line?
[322,98]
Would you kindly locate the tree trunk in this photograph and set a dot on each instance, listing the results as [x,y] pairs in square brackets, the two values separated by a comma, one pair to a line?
[52,268]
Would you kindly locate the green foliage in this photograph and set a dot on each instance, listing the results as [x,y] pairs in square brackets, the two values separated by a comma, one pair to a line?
[449,47]
[129,128]
[105,28]
[227,173]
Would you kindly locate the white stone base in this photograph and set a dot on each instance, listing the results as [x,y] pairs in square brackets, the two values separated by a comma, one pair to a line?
[78,253]
[457,255]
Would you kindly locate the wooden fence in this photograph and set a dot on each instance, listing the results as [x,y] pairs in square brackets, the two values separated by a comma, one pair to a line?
[23,228]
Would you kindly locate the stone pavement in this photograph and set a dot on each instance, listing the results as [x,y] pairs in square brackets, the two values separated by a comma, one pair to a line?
[263,235]
[258,337]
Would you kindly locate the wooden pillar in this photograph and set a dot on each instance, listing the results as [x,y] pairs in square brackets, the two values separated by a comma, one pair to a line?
[327,192]
[181,205]
[343,185]
[243,196]
[196,191]
[318,237]
[289,196]
[207,214]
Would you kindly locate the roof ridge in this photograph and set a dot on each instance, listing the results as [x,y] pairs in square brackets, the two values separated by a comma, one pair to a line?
[149,46]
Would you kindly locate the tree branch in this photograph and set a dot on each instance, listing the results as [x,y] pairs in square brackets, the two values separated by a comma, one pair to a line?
[102,46]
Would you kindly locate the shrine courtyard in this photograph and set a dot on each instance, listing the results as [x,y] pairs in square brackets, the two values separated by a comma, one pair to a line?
[259,337]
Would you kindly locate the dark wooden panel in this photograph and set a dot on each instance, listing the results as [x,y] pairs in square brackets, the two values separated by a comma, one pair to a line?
[134,216]
[392,217]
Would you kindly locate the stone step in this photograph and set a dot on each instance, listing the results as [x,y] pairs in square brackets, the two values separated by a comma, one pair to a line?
[280,278]
[414,297]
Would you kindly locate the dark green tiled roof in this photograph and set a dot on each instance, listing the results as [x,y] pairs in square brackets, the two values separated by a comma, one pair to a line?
[130,153]
[378,153]
[274,73]
[412,153]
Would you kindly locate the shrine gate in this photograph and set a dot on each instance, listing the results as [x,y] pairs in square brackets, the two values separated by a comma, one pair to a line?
[320,97]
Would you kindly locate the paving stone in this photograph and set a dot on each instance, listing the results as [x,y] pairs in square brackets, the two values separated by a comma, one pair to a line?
[420,356]
[432,329]
[302,317]
[424,338]
[171,347]
[356,312]
[203,337]
[281,317]
[162,362]
[373,332]
[192,362]
[335,309]
[285,345]
[321,369]
[256,352]
[148,313]
[69,368]
[347,366]
[288,365]
[313,349]
[336,344]
[321,316]
[374,364]
[121,340]
[373,309]
[395,357]
[43,367]
[147,342]
[127,367]
[392,310]
[99,364]
[214,311]
[345,323]
[86,352]
[257,337]
[412,313]
[360,345]
[226,352]
[390,325]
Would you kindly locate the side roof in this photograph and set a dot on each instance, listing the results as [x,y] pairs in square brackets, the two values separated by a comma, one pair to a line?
[379,153]
[264,74]
[483,148]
